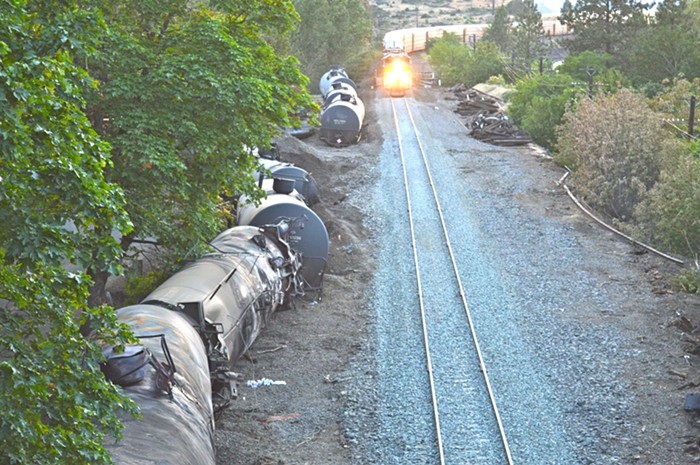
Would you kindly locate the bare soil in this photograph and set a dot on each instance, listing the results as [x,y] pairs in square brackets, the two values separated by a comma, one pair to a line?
[311,348]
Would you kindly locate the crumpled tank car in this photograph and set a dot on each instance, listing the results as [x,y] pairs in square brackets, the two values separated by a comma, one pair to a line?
[192,329]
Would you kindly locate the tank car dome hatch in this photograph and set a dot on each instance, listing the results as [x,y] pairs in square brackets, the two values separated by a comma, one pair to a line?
[325,82]
[336,90]
[304,183]
[341,121]
[187,420]
[337,80]
[308,235]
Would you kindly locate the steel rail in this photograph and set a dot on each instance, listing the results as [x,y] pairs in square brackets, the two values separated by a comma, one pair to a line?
[462,294]
[433,393]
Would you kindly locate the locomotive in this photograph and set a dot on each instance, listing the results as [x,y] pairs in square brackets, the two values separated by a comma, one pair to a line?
[200,321]
[397,77]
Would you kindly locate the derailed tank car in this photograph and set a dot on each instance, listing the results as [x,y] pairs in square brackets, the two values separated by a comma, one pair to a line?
[196,325]
[343,112]
[308,235]
[334,75]
[341,121]
[304,183]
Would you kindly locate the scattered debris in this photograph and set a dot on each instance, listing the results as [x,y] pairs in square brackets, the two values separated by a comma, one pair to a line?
[692,403]
[289,416]
[485,115]
[680,374]
[263,382]
[268,351]
[682,323]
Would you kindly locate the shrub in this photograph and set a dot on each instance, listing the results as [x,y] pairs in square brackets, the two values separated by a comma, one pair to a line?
[687,281]
[538,103]
[670,215]
[616,143]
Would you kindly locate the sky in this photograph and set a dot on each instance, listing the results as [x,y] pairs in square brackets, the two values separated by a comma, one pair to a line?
[549,6]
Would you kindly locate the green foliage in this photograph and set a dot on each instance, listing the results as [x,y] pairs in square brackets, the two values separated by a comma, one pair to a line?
[137,287]
[456,63]
[337,32]
[687,281]
[527,35]
[616,143]
[500,29]
[184,89]
[57,214]
[577,65]
[449,58]
[672,101]
[538,103]
[670,215]
[57,406]
[662,51]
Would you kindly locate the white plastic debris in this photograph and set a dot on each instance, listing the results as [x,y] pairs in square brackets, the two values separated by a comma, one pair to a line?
[256,383]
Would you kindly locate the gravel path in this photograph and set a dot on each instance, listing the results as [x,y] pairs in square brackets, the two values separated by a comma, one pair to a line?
[539,302]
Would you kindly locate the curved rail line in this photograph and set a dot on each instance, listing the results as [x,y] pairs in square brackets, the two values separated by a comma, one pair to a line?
[477,347]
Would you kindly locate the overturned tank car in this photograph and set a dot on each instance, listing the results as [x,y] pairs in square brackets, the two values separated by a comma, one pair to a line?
[191,330]
[307,235]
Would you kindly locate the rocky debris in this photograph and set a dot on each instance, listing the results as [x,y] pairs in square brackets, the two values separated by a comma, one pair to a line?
[486,118]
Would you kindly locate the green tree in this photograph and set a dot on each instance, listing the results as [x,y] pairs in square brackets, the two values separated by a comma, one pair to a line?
[603,25]
[665,49]
[671,12]
[528,35]
[514,7]
[456,63]
[449,57]
[577,65]
[332,32]
[670,214]
[184,90]
[484,61]
[500,29]
[538,104]
[57,213]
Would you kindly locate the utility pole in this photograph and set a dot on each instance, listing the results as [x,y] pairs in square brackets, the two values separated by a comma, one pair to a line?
[691,120]
[590,71]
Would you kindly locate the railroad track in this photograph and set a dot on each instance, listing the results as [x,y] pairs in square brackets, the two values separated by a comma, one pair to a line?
[468,427]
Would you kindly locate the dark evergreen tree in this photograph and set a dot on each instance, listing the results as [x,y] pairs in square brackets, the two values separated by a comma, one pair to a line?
[514,7]
[500,30]
[666,48]
[671,12]
[528,34]
[603,25]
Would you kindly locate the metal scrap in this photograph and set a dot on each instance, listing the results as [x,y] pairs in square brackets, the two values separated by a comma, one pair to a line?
[485,116]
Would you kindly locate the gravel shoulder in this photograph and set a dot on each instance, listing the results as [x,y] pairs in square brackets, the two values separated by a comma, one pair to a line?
[594,317]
